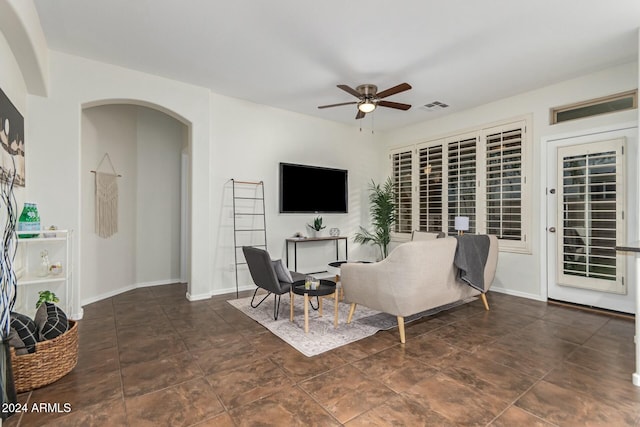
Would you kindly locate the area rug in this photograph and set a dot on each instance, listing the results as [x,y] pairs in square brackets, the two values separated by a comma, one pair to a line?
[322,335]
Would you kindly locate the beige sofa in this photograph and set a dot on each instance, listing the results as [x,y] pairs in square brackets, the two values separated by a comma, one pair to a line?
[416,276]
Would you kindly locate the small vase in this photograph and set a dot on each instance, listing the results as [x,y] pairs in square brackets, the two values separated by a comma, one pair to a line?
[43,269]
[29,220]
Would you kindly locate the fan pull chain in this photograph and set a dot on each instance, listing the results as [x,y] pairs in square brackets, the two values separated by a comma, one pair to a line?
[372,123]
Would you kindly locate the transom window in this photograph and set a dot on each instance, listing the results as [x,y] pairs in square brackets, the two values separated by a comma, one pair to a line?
[594,107]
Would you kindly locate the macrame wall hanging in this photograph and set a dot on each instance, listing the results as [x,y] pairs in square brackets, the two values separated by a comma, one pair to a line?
[106,223]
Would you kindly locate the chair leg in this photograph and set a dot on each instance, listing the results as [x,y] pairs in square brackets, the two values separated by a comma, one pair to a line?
[276,303]
[335,309]
[351,311]
[291,294]
[483,296]
[254,297]
[401,329]
[307,303]
[276,306]
[317,303]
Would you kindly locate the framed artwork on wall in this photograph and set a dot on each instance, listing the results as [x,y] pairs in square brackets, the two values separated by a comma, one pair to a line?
[11,140]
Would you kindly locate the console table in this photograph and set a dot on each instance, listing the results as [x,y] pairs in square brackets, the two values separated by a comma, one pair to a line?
[299,240]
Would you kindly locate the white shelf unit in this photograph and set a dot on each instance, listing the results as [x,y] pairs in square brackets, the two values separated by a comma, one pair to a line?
[28,261]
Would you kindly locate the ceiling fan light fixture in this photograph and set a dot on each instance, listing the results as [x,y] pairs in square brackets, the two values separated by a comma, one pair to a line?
[366,106]
[369,99]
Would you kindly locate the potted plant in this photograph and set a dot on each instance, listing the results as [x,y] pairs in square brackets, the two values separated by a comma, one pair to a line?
[317,226]
[383,217]
[46,296]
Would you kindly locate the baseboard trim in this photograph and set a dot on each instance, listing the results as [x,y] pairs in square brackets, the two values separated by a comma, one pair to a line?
[190,297]
[77,316]
[106,295]
[591,309]
[517,293]
[124,289]
[233,290]
[158,283]
[198,297]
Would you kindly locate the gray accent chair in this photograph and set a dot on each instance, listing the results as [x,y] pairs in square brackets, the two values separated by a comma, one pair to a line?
[265,277]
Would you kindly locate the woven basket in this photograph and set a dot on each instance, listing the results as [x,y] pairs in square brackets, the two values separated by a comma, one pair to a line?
[52,360]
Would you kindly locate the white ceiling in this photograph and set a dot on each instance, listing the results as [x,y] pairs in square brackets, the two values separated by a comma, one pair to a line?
[291,54]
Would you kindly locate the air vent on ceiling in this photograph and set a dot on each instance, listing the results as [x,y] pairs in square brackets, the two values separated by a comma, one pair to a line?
[435,106]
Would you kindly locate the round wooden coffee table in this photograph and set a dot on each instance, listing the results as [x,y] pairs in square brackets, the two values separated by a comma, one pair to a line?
[326,288]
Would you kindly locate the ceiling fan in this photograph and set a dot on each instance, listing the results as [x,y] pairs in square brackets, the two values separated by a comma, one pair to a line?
[369,98]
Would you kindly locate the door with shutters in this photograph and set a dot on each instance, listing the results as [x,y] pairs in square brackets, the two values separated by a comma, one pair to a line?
[586,188]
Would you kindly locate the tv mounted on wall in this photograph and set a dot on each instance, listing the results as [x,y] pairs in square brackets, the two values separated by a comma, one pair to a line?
[313,189]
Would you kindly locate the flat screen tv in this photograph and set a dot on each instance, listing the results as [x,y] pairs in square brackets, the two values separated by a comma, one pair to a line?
[313,189]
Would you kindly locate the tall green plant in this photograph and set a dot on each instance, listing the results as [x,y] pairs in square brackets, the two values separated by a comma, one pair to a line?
[383,216]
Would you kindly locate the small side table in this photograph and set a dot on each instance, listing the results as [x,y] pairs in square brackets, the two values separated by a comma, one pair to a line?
[325,288]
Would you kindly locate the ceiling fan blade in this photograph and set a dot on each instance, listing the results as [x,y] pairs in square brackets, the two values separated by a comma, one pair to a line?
[392,91]
[396,105]
[350,90]
[337,105]
[359,115]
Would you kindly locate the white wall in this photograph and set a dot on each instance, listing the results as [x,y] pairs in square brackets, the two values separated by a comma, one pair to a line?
[11,81]
[249,141]
[229,138]
[520,274]
[145,147]
[28,49]
[159,149]
[55,131]
[108,264]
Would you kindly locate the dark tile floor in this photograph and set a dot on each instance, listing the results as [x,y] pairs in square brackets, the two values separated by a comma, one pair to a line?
[151,358]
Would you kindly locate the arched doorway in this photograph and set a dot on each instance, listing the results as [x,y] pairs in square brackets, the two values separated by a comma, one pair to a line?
[150,147]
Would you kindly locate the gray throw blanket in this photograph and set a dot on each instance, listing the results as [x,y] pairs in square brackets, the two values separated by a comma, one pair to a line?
[470,258]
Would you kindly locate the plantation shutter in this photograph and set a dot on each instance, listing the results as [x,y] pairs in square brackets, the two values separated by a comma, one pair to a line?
[461,182]
[402,181]
[504,183]
[591,219]
[480,174]
[430,188]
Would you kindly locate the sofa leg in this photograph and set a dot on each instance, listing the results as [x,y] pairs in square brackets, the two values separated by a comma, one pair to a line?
[401,329]
[483,296]
[351,311]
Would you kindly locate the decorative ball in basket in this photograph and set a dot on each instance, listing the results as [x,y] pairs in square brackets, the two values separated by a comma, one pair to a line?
[43,350]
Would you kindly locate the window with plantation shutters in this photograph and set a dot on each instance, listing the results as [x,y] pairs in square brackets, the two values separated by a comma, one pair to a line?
[504,183]
[461,182]
[403,182]
[480,174]
[430,183]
